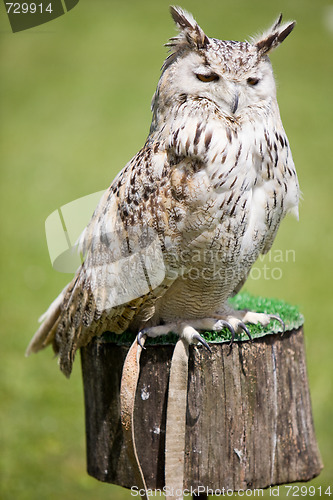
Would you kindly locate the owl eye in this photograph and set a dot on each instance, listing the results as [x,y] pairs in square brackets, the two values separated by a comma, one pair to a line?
[211,77]
[253,81]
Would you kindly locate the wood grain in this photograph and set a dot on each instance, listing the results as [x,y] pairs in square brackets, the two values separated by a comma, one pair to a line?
[248,423]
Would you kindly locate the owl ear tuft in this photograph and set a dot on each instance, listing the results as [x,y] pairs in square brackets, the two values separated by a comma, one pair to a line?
[274,36]
[190,33]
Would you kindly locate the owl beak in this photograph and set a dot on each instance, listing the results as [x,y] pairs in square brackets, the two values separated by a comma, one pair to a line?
[235,103]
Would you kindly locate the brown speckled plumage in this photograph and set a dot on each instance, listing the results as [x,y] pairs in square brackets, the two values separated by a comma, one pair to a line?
[210,186]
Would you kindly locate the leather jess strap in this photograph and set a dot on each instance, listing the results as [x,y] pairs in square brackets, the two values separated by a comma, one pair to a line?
[129,381]
[175,422]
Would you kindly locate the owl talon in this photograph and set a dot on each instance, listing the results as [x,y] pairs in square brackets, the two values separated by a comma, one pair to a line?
[202,341]
[245,328]
[232,330]
[233,333]
[140,336]
[225,324]
[232,336]
[277,318]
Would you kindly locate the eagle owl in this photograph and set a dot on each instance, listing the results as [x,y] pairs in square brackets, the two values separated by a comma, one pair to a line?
[176,233]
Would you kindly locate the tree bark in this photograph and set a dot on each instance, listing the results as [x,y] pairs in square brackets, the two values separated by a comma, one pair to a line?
[248,423]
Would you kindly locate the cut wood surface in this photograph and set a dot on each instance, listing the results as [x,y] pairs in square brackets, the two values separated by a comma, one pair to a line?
[248,421]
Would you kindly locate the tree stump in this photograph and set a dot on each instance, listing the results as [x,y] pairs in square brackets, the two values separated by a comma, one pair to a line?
[248,423]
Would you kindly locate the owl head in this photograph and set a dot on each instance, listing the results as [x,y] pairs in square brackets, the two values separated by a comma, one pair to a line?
[232,74]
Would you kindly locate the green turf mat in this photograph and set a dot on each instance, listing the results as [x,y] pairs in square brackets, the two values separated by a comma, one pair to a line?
[287,312]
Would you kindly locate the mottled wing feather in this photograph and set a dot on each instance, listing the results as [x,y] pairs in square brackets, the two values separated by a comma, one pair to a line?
[83,310]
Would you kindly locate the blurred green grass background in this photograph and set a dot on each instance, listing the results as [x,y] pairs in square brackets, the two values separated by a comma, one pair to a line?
[75,100]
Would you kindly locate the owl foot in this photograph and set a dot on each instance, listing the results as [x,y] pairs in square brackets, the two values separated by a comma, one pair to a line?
[239,319]
[189,330]
[262,318]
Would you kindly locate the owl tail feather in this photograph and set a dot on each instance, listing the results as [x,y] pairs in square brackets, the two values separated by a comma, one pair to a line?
[49,322]
[62,324]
